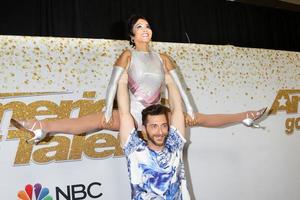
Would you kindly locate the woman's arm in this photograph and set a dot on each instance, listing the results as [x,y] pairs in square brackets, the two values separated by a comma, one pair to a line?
[119,67]
[170,68]
[208,120]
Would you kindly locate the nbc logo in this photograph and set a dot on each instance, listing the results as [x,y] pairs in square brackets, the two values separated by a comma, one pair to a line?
[40,193]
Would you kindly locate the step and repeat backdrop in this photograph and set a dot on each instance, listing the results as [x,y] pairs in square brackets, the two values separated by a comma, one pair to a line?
[55,78]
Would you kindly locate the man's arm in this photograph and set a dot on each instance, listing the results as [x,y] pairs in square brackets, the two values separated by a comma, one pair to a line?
[126,120]
[177,116]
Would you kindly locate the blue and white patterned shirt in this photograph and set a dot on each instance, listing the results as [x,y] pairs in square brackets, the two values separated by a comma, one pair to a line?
[153,174]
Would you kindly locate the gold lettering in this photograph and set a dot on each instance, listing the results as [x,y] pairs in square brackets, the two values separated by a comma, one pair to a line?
[88,106]
[297,123]
[294,104]
[283,102]
[20,110]
[100,145]
[77,147]
[37,108]
[89,94]
[65,109]
[289,125]
[24,150]
[118,151]
[95,142]
[60,151]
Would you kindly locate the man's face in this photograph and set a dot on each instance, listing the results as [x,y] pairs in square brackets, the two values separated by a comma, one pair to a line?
[157,129]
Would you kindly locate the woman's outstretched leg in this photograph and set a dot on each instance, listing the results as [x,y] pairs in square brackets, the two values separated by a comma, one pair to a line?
[82,124]
[73,126]
[218,120]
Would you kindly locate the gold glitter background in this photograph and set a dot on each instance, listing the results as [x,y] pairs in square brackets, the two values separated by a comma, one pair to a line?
[37,64]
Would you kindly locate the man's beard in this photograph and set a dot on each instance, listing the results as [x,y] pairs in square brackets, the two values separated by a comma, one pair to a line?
[152,139]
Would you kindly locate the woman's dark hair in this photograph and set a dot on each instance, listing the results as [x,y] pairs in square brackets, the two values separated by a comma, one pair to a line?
[130,23]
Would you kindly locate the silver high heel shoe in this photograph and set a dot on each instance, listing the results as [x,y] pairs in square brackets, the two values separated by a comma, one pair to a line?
[249,121]
[39,134]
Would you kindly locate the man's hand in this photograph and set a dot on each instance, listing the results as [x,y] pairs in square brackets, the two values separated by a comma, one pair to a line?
[107,124]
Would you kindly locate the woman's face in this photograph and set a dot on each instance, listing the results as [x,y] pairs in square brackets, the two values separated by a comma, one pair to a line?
[142,31]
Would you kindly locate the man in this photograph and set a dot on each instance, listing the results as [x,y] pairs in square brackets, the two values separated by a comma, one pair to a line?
[155,165]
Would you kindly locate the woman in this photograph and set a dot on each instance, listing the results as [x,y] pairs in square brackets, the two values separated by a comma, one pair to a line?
[146,70]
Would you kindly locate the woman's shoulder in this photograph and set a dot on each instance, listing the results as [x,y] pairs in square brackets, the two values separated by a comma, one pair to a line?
[168,61]
[126,53]
[165,57]
[124,58]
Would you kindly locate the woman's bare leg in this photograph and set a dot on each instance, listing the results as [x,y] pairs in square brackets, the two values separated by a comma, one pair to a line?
[76,126]
[214,120]
[218,120]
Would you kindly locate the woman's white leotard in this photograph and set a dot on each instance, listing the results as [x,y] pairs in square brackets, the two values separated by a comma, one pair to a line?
[145,80]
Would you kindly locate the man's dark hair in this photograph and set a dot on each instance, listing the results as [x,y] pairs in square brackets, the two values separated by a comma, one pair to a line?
[130,23]
[156,109]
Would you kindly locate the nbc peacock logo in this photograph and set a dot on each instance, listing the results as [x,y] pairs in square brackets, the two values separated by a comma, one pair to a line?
[41,193]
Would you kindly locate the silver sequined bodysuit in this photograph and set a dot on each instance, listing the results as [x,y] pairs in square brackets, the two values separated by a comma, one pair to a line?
[145,80]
